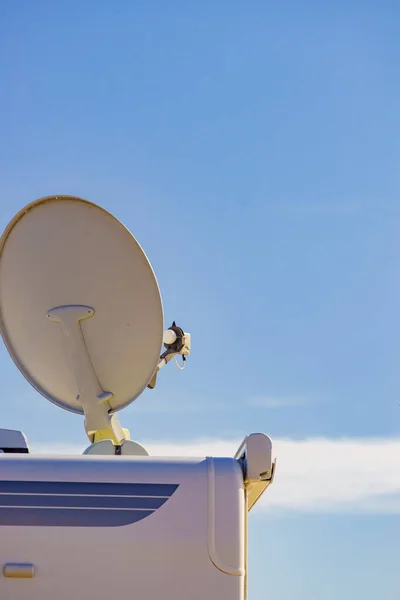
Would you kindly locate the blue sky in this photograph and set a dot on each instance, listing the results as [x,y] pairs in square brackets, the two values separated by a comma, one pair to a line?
[267,137]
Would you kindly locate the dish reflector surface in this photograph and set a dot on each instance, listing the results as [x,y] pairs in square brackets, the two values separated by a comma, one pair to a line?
[63,250]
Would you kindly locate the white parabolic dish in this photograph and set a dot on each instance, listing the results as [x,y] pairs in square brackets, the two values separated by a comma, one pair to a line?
[62,250]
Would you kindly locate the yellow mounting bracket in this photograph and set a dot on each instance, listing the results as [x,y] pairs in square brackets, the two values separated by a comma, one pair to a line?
[107,434]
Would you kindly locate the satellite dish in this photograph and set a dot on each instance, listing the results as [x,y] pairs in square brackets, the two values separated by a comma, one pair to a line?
[80,308]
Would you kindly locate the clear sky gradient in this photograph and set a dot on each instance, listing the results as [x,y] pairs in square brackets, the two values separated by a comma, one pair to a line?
[254,152]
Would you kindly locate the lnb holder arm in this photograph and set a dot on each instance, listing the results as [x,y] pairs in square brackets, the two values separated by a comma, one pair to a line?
[176,341]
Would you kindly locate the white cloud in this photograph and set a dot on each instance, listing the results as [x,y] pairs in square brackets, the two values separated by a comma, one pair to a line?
[167,405]
[279,402]
[312,475]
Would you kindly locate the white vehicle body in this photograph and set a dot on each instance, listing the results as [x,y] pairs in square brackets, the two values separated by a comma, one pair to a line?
[100,526]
